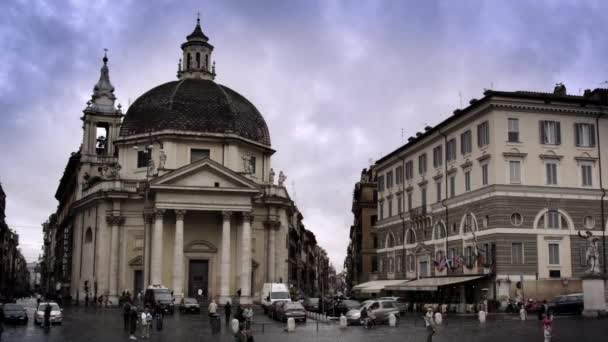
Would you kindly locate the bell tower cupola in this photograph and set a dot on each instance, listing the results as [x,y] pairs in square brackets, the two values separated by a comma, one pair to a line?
[196,61]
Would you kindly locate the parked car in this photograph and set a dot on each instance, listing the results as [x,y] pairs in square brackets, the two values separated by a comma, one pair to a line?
[312,304]
[189,305]
[56,313]
[14,314]
[381,309]
[156,295]
[567,304]
[293,310]
[272,309]
[344,306]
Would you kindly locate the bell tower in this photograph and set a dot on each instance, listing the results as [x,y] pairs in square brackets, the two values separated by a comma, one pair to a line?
[101,119]
[196,61]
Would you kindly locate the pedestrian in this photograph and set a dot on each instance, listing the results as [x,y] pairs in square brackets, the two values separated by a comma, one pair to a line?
[547,326]
[133,320]
[212,309]
[47,316]
[126,311]
[239,313]
[238,293]
[430,325]
[248,316]
[146,321]
[1,323]
[158,316]
[227,311]
[86,300]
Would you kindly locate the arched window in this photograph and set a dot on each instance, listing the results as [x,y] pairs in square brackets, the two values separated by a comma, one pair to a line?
[411,263]
[198,60]
[390,240]
[391,265]
[188,59]
[88,236]
[410,237]
[552,219]
[207,62]
[440,232]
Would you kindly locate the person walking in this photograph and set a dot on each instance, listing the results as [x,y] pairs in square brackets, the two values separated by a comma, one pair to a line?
[430,325]
[47,317]
[212,309]
[248,316]
[158,316]
[133,323]
[146,322]
[126,311]
[547,326]
[227,311]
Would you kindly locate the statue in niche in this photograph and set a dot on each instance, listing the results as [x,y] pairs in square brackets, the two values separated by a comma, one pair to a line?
[150,171]
[592,254]
[282,178]
[271,177]
[162,159]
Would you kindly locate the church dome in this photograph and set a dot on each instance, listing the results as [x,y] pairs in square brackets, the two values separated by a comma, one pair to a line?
[197,105]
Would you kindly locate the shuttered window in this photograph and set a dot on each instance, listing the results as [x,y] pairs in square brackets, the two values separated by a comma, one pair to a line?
[553,254]
[465,142]
[513,130]
[483,134]
[517,253]
[550,133]
[437,156]
[584,135]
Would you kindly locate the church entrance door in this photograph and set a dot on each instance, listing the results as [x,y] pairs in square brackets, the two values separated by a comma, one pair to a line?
[198,278]
[138,282]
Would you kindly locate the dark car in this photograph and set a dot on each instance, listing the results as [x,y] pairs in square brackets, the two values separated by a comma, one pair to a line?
[344,306]
[311,304]
[14,313]
[159,296]
[568,304]
[272,309]
[288,310]
[189,305]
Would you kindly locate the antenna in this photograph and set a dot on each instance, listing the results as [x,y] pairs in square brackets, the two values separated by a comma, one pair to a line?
[460,99]
[402,141]
[492,85]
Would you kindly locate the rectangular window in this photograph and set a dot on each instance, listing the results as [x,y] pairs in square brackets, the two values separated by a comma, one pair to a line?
[515,171]
[381,209]
[587,174]
[553,254]
[390,207]
[467,181]
[450,150]
[483,134]
[452,186]
[389,179]
[584,135]
[400,203]
[399,175]
[380,183]
[555,274]
[422,163]
[424,269]
[513,130]
[409,200]
[551,169]
[437,156]
[553,219]
[484,174]
[197,154]
[143,158]
[465,142]
[252,162]
[438,189]
[409,170]
[374,263]
[550,133]
[517,253]
[423,196]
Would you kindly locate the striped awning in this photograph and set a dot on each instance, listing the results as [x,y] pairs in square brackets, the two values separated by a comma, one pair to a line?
[430,284]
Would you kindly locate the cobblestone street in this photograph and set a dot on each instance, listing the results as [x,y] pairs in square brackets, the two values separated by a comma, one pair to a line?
[93,325]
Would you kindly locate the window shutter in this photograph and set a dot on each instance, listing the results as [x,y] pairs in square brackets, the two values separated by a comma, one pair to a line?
[558,134]
[479,130]
[542,132]
[577,136]
[592,135]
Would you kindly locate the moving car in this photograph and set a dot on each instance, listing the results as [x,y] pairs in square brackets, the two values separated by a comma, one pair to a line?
[14,313]
[272,292]
[157,295]
[312,304]
[288,310]
[189,305]
[56,314]
[567,304]
[381,309]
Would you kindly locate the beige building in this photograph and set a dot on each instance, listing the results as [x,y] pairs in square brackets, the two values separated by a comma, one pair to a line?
[178,192]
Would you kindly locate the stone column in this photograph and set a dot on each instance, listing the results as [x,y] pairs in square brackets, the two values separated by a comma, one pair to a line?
[178,256]
[246,259]
[114,222]
[156,260]
[148,218]
[270,225]
[225,269]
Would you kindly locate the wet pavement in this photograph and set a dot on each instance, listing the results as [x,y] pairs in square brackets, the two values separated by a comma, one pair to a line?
[91,324]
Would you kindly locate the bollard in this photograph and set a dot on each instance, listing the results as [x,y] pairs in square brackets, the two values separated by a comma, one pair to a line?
[438,318]
[343,322]
[392,320]
[482,316]
[291,324]
[235,325]
[522,314]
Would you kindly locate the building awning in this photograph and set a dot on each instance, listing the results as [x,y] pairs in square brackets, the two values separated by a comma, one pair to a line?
[377,285]
[430,284]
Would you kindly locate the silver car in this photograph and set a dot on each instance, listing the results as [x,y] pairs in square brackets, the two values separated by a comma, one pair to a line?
[56,314]
[381,309]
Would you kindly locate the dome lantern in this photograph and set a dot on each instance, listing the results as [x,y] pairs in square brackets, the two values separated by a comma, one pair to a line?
[196,61]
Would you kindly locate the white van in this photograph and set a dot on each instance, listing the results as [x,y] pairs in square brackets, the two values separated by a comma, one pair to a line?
[272,292]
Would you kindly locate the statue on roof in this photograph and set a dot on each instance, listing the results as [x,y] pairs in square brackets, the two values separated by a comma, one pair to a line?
[271,176]
[282,178]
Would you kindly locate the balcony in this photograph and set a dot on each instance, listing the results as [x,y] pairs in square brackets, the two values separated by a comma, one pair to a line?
[110,185]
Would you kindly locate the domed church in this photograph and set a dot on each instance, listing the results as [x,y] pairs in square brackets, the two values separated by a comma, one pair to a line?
[178,192]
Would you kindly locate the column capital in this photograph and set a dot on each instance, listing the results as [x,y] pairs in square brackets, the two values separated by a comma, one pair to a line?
[226,215]
[179,214]
[148,216]
[158,213]
[115,220]
[247,216]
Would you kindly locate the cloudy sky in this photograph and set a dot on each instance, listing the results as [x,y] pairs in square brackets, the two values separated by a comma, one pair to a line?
[337,81]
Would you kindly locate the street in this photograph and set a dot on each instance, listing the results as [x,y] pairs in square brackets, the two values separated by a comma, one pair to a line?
[91,324]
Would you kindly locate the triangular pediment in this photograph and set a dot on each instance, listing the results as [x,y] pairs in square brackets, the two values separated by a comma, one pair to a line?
[203,174]
[421,249]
